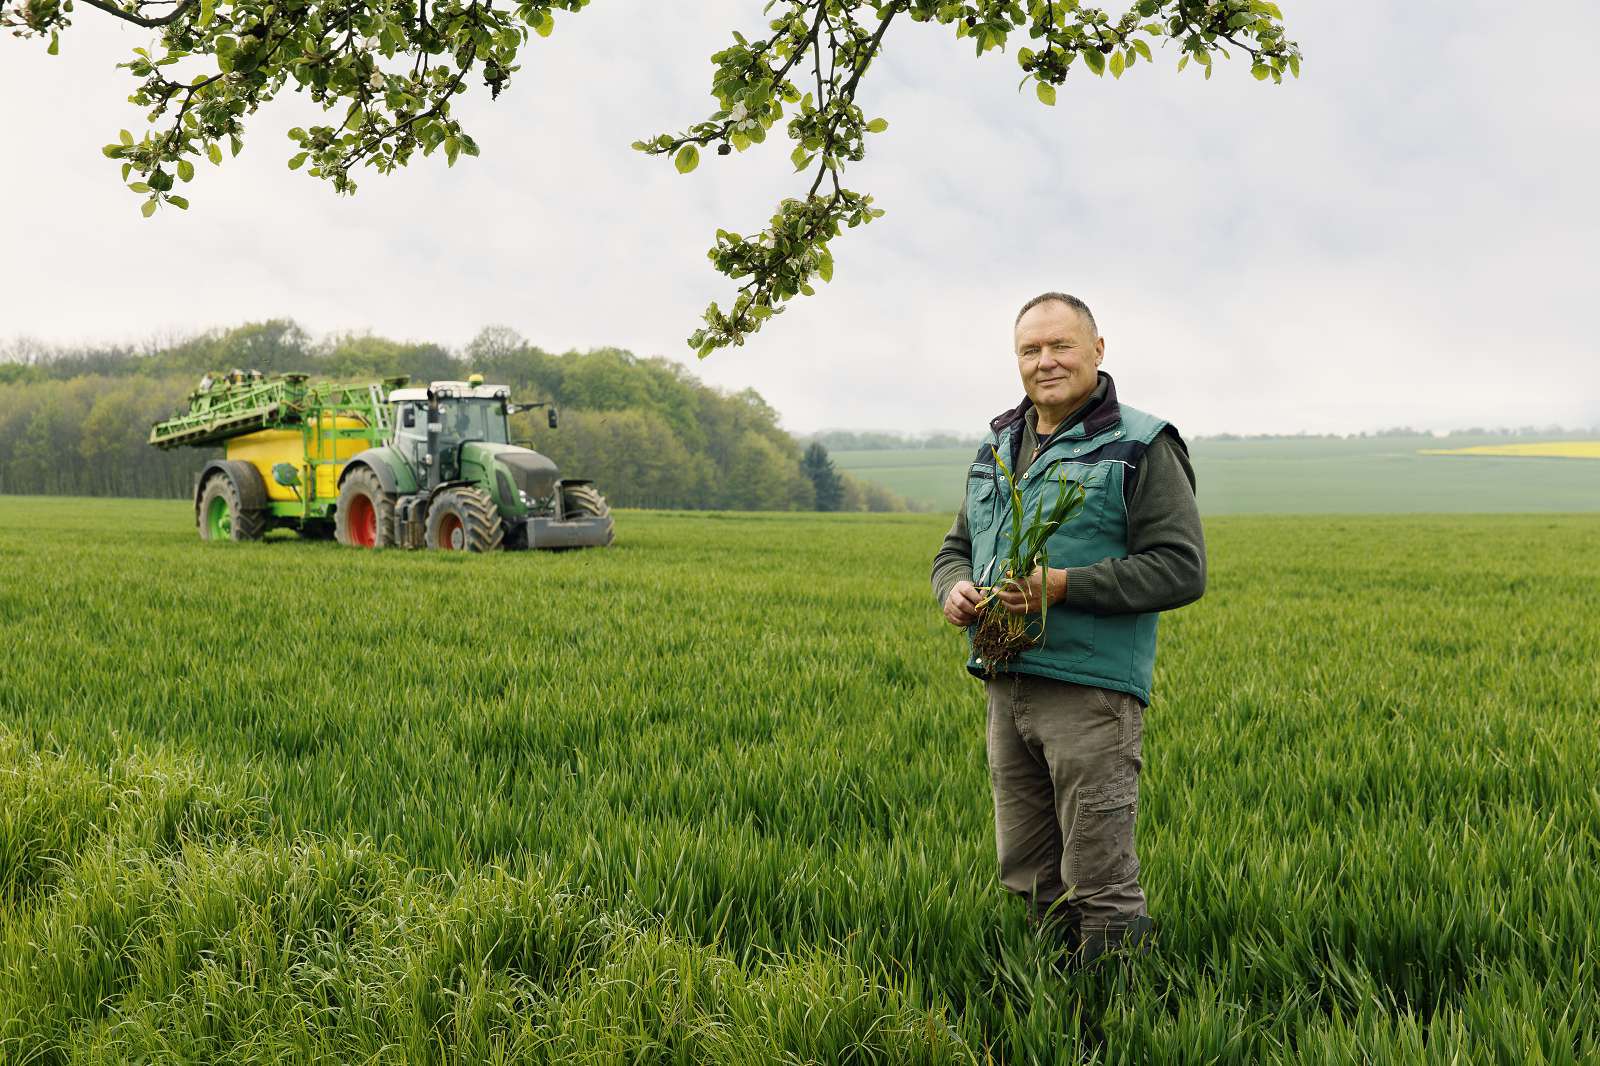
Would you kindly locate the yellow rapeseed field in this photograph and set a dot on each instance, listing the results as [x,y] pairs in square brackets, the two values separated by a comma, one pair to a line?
[1549,449]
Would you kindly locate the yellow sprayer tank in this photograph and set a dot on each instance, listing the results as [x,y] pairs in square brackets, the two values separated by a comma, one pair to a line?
[301,449]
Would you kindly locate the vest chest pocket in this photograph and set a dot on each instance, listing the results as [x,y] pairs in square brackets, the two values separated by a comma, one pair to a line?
[1096,481]
[981,498]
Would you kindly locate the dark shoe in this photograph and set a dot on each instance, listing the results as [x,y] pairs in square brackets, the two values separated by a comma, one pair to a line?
[1122,941]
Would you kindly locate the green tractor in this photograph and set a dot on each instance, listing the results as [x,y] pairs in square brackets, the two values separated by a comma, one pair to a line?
[450,478]
[426,466]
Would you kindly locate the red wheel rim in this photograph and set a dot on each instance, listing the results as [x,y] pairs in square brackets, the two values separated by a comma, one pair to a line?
[452,536]
[363,522]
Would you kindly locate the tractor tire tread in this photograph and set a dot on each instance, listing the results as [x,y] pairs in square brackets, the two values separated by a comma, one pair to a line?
[480,519]
[585,501]
[247,525]
[364,482]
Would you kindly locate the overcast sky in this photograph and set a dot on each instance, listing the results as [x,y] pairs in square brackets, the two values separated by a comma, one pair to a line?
[1406,235]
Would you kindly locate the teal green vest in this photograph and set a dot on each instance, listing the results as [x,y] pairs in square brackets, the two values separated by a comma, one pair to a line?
[1106,651]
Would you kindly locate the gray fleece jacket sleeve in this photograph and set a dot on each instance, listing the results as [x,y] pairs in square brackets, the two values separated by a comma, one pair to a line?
[954,559]
[1166,562]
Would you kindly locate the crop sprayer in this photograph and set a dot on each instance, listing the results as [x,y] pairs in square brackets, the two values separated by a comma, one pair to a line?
[378,465]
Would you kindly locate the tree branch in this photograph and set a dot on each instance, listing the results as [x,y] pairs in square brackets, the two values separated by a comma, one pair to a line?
[139,20]
[849,95]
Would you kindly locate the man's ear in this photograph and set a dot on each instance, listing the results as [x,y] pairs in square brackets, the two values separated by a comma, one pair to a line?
[1099,350]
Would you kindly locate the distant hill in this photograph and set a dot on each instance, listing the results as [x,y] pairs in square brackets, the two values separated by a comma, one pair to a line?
[1308,475]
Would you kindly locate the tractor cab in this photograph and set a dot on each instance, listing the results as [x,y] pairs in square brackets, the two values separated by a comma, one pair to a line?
[432,423]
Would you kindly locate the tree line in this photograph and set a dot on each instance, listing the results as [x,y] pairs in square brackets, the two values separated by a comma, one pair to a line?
[848,440]
[75,421]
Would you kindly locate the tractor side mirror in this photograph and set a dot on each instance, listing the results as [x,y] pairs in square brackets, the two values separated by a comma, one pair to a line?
[554,420]
[285,474]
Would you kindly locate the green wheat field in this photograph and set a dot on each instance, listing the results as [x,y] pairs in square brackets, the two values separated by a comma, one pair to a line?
[718,794]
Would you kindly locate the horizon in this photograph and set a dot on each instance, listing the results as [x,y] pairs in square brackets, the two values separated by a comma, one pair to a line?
[30,350]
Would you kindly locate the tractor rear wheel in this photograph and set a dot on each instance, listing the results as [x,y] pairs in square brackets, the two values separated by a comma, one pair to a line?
[464,519]
[364,517]
[585,501]
[221,515]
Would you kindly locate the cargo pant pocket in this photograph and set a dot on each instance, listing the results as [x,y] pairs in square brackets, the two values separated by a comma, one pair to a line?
[1102,836]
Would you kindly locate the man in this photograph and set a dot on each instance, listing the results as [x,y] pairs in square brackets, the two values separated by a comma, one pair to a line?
[1066,717]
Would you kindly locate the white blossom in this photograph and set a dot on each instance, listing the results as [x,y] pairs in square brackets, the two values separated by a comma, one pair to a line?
[739,112]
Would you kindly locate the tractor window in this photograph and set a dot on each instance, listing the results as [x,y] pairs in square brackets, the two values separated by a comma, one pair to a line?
[473,420]
[408,415]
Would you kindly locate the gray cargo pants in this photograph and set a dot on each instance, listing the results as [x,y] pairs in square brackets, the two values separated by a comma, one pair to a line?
[1064,761]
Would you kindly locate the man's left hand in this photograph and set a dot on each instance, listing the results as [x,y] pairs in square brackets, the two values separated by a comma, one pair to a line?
[1027,597]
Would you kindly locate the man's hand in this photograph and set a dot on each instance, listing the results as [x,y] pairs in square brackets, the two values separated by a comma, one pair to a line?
[1027,597]
[961,606]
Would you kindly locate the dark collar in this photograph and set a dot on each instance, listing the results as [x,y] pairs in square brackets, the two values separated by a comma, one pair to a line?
[1099,418]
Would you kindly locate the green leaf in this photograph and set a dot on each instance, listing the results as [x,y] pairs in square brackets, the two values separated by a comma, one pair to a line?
[208,11]
[825,266]
[214,153]
[1096,61]
[1183,63]
[296,162]
[185,170]
[1294,65]
[179,202]
[877,125]
[234,143]
[1118,64]
[140,186]
[1046,93]
[1260,71]
[544,25]
[452,148]
[112,151]
[688,158]
[55,44]
[148,209]
[1142,48]
[125,137]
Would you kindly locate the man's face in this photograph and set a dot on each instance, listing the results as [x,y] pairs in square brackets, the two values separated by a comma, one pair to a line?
[1058,356]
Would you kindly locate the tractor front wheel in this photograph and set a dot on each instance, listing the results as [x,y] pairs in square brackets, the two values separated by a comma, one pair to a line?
[585,501]
[222,516]
[364,517]
[464,519]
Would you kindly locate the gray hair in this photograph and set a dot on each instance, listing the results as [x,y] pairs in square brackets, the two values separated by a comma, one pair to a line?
[1060,298]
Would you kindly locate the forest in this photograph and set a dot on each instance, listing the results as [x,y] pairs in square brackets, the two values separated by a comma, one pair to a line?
[75,420]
